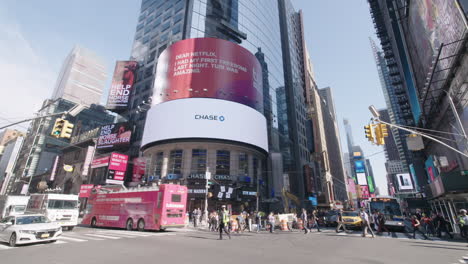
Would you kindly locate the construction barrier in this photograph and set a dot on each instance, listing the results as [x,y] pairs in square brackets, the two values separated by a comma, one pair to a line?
[234,226]
[300,224]
[284,225]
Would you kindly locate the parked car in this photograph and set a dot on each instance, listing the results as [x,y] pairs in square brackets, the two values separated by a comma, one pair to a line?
[27,229]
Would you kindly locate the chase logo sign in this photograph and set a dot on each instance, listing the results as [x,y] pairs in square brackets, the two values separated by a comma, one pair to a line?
[209,117]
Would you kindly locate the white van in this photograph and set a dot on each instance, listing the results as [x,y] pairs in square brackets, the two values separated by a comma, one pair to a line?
[60,208]
[12,205]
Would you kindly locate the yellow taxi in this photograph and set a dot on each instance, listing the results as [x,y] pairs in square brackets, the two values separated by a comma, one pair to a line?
[352,219]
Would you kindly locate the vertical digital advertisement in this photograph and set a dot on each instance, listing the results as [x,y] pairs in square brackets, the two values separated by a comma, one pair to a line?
[123,80]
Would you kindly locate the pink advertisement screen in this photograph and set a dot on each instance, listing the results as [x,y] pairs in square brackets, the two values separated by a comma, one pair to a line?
[209,68]
[118,162]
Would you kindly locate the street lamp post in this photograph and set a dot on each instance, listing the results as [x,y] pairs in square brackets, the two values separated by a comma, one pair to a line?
[207,177]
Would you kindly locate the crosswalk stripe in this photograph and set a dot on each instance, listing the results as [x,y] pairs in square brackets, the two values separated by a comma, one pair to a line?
[3,247]
[103,236]
[124,233]
[83,237]
[60,242]
[72,239]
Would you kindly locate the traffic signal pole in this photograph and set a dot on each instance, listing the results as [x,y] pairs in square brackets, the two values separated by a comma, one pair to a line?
[421,134]
[34,118]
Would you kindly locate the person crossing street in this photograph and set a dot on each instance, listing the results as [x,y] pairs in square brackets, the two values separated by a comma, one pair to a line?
[416,225]
[365,223]
[305,221]
[339,220]
[224,222]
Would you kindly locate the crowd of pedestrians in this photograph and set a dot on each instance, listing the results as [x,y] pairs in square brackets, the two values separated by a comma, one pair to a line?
[427,225]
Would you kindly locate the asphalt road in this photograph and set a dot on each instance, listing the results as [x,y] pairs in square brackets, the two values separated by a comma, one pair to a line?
[88,246]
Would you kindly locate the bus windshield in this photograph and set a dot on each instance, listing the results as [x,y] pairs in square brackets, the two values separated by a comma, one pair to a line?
[62,204]
[387,208]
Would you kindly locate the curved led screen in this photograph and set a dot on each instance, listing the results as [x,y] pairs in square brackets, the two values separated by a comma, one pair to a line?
[208,68]
[205,118]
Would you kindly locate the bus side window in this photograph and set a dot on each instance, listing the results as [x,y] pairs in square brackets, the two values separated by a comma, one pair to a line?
[159,199]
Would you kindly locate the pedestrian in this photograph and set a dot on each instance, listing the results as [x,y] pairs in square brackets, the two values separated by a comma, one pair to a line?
[240,223]
[381,222]
[441,226]
[223,222]
[214,222]
[305,221]
[463,223]
[259,221]
[315,220]
[195,217]
[365,223]
[416,224]
[340,222]
[375,219]
[271,222]
[425,223]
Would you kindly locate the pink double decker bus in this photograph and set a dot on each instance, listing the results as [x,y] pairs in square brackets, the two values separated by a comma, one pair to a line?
[144,208]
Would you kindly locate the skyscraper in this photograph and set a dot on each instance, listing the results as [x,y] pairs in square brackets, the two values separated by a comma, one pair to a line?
[272,31]
[337,169]
[397,104]
[82,78]
[424,46]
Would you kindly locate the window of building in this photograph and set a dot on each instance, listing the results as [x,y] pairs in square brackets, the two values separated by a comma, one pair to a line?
[198,161]
[158,163]
[223,162]
[166,26]
[179,6]
[167,16]
[177,29]
[178,17]
[175,162]
[243,164]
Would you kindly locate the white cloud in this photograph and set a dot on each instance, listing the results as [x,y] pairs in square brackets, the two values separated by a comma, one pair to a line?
[25,77]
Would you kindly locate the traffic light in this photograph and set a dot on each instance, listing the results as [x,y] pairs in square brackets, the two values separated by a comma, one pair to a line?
[58,126]
[67,129]
[369,131]
[381,133]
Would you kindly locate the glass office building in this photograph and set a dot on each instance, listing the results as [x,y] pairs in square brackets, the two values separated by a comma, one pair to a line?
[270,30]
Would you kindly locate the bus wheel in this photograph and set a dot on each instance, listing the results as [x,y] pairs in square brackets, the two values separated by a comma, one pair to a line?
[141,225]
[129,224]
[93,222]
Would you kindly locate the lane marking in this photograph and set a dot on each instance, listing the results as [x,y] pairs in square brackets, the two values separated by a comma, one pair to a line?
[103,236]
[84,237]
[72,239]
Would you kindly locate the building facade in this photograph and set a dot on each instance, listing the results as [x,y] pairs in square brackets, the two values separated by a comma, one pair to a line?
[40,150]
[82,78]
[335,155]
[428,40]
[273,32]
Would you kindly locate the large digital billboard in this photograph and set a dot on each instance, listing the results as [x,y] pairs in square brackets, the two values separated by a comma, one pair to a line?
[122,84]
[361,178]
[208,68]
[205,118]
[114,136]
[359,166]
[404,181]
[431,23]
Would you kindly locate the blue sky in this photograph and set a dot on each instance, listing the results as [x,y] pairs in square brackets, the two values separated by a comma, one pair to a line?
[36,36]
